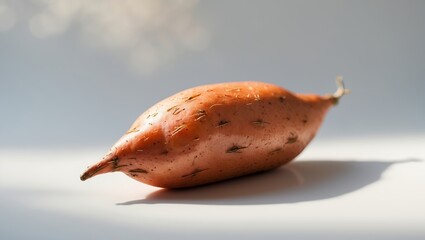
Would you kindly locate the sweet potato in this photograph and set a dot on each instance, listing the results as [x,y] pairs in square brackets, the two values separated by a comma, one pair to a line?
[215,132]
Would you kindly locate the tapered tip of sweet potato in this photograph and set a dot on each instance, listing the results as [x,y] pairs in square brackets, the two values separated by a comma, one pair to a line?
[108,164]
[85,176]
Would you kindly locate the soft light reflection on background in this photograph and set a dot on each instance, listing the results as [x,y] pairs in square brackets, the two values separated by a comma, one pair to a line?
[149,32]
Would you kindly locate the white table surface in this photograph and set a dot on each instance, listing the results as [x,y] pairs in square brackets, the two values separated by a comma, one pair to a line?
[360,188]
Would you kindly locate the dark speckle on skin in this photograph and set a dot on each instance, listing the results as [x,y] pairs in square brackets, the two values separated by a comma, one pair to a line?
[292,138]
[194,173]
[192,97]
[138,170]
[115,162]
[235,149]
[222,123]
[178,110]
[278,149]
[120,166]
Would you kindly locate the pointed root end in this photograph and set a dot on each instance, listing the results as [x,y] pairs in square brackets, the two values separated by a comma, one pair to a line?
[84,176]
[90,172]
[106,165]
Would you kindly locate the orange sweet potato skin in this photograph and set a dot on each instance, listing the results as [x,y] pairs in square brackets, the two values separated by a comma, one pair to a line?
[216,132]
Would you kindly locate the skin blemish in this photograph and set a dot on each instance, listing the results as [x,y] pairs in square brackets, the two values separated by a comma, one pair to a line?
[132,130]
[114,162]
[138,170]
[165,152]
[276,150]
[178,129]
[292,138]
[259,122]
[178,110]
[171,108]
[200,114]
[257,97]
[235,149]
[221,123]
[215,105]
[282,99]
[120,166]
[194,172]
[191,98]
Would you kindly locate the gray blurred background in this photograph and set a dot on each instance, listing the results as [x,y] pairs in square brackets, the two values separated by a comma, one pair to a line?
[78,73]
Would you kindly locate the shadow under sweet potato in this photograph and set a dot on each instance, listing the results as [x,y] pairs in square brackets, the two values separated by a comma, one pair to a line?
[299,181]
